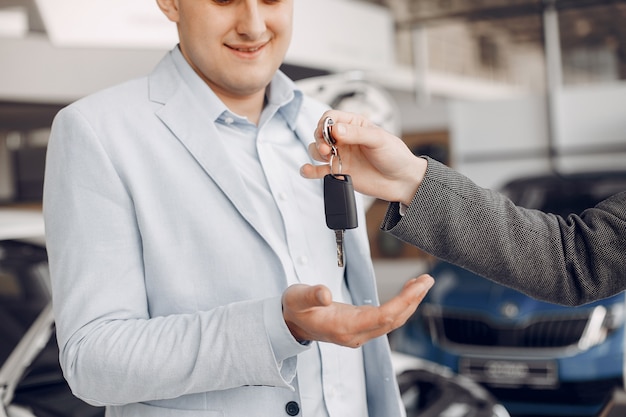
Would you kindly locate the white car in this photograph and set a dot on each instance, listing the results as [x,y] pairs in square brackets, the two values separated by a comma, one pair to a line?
[31,381]
[432,390]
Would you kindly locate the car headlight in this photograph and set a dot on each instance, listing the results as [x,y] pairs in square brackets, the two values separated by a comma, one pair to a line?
[603,321]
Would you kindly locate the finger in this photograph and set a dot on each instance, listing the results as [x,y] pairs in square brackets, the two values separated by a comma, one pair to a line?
[319,152]
[424,280]
[397,311]
[314,171]
[414,290]
[339,118]
[344,117]
[350,134]
[304,297]
[375,322]
[323,295]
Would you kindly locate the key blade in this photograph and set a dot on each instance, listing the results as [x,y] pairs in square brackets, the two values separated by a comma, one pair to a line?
[339,240]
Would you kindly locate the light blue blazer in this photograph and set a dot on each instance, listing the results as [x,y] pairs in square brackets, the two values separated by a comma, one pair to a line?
[163,278]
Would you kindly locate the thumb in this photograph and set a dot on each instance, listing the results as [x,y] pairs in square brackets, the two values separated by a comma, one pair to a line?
[323,295]
[302,297]
[319,296]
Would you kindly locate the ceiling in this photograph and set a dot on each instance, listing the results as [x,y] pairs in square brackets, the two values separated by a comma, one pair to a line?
[496,28]
[35,23]
[583,24]
[582,21]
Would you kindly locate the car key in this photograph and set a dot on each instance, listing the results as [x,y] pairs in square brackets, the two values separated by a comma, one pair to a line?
[340,207]
[339,199]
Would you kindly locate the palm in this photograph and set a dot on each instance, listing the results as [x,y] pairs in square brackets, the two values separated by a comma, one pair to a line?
[311,314]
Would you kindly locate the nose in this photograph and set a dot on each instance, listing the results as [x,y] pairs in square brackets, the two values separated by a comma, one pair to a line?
[251,22]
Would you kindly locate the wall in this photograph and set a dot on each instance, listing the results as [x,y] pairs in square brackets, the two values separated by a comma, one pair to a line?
[105,42]
[42,73]
[592,127]
[494,141]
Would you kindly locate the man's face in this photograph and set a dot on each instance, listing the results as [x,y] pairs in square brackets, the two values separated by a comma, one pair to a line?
[236,46]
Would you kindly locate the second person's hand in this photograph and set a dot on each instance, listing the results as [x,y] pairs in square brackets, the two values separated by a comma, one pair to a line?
[380,164]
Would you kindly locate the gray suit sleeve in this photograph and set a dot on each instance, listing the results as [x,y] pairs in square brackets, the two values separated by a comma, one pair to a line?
[569,261]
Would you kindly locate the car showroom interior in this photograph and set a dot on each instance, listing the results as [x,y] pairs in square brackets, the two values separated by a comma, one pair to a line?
[523,97]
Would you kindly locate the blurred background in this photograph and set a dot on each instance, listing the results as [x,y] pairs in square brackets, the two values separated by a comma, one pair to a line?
[495,88]
[501,90]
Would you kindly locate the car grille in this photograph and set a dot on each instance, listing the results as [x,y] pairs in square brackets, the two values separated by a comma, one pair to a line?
[467,329]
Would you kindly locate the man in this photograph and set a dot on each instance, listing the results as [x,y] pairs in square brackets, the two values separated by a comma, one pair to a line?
[566,261]
[191,267]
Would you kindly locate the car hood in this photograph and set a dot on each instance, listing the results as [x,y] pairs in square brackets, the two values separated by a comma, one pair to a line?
[457,289]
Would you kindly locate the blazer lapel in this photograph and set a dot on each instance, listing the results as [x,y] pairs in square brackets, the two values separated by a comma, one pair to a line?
[199,136]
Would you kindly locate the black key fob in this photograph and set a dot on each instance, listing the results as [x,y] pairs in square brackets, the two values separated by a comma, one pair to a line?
[339,202]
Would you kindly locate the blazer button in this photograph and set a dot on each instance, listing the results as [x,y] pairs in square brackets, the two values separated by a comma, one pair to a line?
[292,408]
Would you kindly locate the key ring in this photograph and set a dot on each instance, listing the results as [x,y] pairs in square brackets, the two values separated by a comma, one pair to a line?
[330,141]
[328,138]
[334,153]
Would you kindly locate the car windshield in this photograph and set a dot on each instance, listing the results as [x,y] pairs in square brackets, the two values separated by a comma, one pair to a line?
[563,195]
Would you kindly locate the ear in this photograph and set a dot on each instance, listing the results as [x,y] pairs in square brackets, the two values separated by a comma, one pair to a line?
[170,9]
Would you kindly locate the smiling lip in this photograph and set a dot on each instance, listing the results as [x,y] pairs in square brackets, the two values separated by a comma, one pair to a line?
[247,49]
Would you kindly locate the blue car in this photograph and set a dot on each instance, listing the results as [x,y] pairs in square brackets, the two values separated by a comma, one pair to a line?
[536,358]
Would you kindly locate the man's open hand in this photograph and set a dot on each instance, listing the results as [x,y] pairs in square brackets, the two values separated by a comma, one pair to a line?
[311,314]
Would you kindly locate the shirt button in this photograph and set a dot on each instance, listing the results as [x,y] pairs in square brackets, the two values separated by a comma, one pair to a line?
[292,408]
[303,260]
[229,120]
[282,196]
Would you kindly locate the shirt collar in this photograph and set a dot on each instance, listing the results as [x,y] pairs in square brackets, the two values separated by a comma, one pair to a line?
[282,93]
